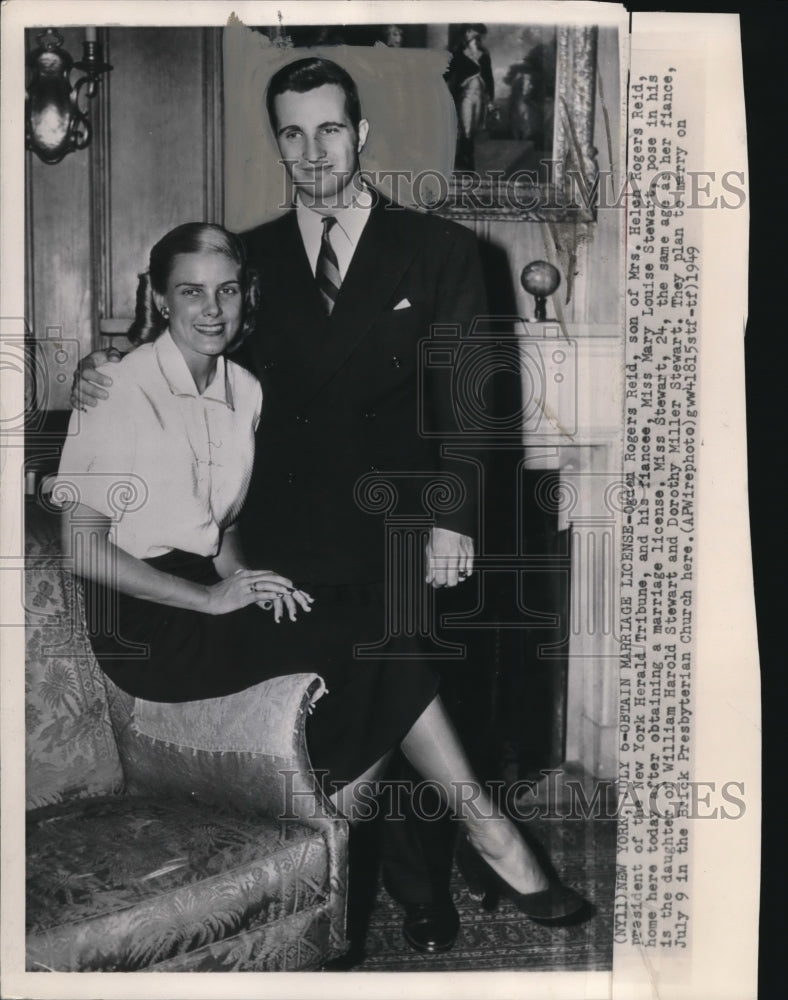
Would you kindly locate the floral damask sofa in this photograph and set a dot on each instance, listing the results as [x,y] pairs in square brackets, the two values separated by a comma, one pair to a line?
[166,838]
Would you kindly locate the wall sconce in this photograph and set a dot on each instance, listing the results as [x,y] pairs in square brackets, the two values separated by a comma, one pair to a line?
[55,124]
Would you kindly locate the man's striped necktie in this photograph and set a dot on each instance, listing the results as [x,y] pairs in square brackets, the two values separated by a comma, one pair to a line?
[327,270]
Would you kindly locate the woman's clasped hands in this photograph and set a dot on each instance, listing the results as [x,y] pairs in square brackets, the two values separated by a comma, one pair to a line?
[263,587]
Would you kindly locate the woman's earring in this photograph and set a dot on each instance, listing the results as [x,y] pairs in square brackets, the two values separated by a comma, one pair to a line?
[165,312]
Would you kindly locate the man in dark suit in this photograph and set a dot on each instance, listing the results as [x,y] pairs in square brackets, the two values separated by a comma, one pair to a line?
[338,354]
[341,387]
[350,285]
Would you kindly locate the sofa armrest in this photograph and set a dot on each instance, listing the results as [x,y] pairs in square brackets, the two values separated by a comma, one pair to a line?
[246,751]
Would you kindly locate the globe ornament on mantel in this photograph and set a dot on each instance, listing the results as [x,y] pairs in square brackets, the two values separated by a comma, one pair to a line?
[540,279]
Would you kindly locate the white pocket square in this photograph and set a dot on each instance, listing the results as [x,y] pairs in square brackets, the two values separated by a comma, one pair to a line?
[403,304]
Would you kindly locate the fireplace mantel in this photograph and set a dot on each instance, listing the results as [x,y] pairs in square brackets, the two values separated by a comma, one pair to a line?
[581,438]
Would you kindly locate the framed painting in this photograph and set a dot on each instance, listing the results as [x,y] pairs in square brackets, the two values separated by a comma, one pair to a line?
[524,96]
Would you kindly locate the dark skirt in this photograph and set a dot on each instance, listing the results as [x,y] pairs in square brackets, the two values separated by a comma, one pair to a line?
[169,654]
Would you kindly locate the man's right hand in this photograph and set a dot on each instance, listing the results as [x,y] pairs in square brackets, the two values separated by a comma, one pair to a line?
[90,386]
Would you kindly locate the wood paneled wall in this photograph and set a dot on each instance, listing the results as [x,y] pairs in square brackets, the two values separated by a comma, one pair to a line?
[159,172]
[155,161]
[59,286]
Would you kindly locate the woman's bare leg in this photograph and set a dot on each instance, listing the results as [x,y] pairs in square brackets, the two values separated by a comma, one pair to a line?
[434,749]
[354,800]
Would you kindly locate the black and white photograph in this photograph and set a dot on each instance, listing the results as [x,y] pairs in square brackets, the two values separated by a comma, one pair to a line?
[356,533]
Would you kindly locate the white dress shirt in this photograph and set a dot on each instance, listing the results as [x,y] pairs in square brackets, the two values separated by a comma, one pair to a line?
[169,466]
[343,236]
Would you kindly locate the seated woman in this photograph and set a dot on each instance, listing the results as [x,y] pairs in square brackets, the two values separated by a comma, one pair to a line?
[158,474]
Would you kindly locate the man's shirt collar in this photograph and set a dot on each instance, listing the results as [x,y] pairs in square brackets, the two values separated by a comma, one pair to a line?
[350,218]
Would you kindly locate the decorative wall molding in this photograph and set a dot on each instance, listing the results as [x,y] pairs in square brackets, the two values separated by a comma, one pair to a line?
[213,122]
[101,199]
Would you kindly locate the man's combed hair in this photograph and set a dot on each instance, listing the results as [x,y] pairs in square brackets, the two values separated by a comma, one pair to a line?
[308,74]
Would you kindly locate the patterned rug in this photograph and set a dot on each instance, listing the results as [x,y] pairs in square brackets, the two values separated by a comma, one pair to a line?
[583,853]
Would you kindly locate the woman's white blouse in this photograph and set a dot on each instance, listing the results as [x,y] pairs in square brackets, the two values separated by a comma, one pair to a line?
[169,466]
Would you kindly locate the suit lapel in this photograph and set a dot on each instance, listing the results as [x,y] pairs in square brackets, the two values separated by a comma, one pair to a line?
[288,284]
[380,260]
[292,309]
[292,320]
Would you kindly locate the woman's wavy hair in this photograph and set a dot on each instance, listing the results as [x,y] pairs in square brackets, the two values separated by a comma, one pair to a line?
[191,237]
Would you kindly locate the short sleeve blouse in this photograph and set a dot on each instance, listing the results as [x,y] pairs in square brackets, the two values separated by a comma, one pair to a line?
[168,466]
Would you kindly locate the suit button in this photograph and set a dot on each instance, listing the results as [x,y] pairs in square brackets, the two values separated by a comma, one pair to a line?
[268,365]
[374,468]
[396,362]
[300,419]
[369,414]
[290,478]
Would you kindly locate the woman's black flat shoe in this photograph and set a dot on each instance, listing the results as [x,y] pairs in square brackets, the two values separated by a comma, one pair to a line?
[555,903]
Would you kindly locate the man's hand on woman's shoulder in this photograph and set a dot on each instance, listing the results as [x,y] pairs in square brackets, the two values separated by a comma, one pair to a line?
[90,386]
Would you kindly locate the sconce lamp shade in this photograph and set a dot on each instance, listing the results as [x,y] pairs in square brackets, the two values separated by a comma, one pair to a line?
[51,106]
[55,124]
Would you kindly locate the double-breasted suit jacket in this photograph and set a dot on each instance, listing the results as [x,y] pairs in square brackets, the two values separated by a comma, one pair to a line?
[348,395]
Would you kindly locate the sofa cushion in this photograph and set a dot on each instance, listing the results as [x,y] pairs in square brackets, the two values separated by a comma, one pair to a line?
[122,883]
[304,941]
[70,746]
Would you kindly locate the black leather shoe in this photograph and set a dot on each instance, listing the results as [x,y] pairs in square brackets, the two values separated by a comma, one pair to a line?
[431,928]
